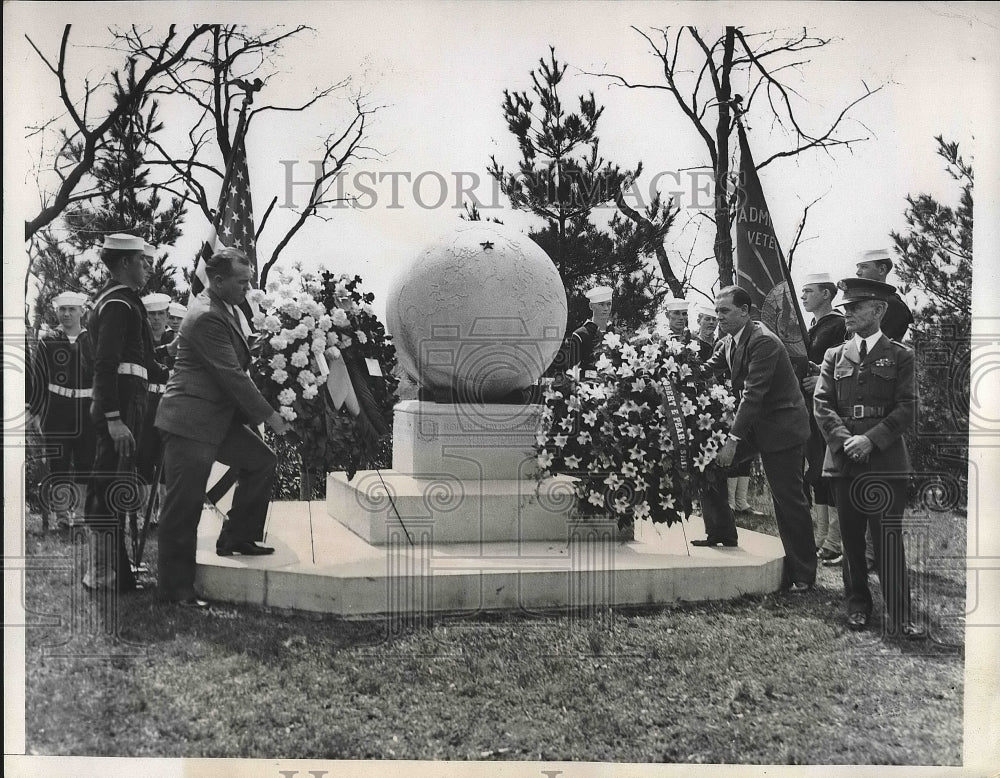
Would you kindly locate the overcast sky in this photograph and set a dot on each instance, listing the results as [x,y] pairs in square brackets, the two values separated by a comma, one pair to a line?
[438,71]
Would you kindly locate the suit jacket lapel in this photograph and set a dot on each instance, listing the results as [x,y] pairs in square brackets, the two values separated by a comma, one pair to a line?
[223,309]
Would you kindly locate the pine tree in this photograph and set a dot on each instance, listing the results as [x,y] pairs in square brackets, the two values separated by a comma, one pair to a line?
[934,265]
[562,179]
[131,203]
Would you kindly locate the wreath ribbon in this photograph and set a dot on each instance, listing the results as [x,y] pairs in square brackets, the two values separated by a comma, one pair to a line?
[678,432]
[338,383]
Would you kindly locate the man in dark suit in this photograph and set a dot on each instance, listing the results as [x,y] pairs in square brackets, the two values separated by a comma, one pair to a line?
[771,419]
[875,266]
[209,401]
[864,403]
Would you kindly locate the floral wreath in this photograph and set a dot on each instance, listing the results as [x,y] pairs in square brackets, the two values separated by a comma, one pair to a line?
[641,434]
[308,323]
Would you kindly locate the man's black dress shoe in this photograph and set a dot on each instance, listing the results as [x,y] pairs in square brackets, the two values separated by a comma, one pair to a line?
[246,548]
[712,543]
[857,621]
[193,602]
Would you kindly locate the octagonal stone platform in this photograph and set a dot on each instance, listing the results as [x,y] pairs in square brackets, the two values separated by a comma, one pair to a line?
[322,566]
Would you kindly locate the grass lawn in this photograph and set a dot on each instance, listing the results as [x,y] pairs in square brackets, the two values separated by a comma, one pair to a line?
[773,679]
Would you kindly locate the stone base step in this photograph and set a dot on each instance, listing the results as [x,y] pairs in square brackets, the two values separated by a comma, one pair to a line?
[457,511]
[320,565]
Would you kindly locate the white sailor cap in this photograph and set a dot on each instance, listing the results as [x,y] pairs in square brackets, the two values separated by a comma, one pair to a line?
[157,301]
[69,298]
[875,255]
[818,278]
[701,309]
[676,305]
[600,294]
[124,242]
[149,249]
[176,309]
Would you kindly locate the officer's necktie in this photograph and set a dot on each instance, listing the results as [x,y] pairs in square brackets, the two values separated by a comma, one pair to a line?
[864,350]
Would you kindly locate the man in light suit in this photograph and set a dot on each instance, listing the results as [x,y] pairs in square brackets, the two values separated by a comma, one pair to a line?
[771,419]
[865,402]
[209,402]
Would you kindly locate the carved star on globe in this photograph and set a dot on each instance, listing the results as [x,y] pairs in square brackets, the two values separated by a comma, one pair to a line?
[487,246]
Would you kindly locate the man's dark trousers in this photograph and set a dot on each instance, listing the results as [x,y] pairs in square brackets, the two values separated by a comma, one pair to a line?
[883,516]
[791,510]
[187,466]
[113,489]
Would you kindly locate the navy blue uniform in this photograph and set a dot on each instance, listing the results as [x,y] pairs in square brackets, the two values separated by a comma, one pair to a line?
[64,370]
[897,319]
[150,452]
[828,332]
[123,364]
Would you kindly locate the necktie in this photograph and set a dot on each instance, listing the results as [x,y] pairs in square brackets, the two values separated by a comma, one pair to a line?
[864,350]
[729,352]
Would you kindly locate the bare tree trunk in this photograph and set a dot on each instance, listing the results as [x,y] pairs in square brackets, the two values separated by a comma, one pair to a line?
[644,225]
[723,225]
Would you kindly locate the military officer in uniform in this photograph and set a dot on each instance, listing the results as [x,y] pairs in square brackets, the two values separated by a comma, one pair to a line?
[123,362]
[825,332]
[864,403]
[875,266]
[150,449]
[579,349]
[64,366]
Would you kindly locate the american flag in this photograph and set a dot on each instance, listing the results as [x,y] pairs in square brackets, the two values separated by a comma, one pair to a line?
[235,225]
[235,230]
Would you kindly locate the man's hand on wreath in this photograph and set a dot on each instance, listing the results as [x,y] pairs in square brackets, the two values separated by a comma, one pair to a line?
[727,453]
[277,423]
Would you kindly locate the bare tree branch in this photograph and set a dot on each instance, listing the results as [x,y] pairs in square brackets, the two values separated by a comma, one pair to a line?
[131,93]
[802,225]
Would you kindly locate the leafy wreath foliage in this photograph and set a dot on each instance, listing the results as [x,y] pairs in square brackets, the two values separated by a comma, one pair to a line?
[307,322]
[641,434]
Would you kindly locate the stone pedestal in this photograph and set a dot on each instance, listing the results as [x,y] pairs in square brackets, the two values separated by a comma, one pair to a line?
[465,471]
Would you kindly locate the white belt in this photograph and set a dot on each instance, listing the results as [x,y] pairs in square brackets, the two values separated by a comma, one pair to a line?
[131,368]
[156,388]
[63,391]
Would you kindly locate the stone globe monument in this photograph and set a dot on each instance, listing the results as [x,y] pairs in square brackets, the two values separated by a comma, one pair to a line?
[478,315]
